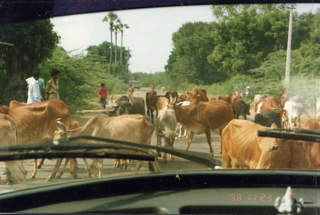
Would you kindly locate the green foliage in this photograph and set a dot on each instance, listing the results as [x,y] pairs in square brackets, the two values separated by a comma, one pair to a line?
[33,43]
[80,78]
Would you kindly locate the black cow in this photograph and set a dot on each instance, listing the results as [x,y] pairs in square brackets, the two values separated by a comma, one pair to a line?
[268,117]
[127,105]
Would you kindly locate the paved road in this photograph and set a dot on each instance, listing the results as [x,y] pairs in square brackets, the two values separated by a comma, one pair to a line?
[199,144]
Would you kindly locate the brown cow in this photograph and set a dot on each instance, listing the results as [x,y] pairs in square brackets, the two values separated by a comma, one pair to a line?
[131,90]
[230,98]
[36,121]
[271,103]
[135,128]
[151,102]
[245,149]
[201,117]
[202,93]
[9,136]
[315,146]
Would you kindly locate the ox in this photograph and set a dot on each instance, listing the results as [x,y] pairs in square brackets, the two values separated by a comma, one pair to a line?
[230,98]
[245,149]
[201,93]
[267,118]
[240,108]
[9,136]
[134,128]
[165,125]
[151,102]
[171,94]
[293,110]
[201,117]
[131,90]
[36,121]
[269,103]
[127,105]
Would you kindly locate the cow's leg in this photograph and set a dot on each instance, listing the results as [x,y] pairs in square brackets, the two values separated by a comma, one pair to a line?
[93,167]
[100,167]
[116,163]
[64,167]
[55,169]
[40,163]
[123,164]
[208,135]
[159,144]
[189,140]
[17,172]
[226,160]
[34,169]
[86,166]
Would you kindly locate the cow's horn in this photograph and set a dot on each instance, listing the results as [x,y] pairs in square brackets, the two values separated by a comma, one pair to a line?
[60,125]
[112,103]
[130,100]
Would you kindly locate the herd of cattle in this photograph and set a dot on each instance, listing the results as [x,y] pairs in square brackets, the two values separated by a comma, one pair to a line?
[241,147]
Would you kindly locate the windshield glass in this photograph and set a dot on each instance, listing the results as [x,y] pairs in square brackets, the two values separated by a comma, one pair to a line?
[201,79]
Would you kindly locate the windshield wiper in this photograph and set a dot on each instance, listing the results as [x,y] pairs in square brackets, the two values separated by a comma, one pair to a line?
[58,149]
[295,134]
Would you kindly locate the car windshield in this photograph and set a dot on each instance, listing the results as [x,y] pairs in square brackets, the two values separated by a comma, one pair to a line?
[237,84]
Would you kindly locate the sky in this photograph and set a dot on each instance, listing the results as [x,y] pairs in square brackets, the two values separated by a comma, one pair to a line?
[148,37]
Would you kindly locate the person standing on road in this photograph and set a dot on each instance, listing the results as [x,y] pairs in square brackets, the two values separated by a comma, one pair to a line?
[34,94]
[52,88]
[103,95]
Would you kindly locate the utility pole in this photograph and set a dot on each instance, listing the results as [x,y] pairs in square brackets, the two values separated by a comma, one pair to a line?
[287,77]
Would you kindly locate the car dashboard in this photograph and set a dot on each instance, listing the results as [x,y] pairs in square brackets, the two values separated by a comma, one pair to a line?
[205,192]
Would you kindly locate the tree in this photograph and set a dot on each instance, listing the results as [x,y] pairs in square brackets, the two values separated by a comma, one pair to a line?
[193,43]
[111,18]
[33,42]
[121,28]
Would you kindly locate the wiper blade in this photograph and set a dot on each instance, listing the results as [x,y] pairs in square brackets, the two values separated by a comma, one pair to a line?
[295,134]
[67,144]
[68,154]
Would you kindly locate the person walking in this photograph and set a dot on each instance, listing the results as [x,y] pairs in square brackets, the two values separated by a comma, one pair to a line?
[34,93]
[52,87]
[103,95]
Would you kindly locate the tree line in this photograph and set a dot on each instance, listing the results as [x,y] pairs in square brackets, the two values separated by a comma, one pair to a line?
[245,46]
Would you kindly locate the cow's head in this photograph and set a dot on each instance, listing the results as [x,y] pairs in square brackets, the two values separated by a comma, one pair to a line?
[279,153]
[169,137]
[122,106]
[61,130]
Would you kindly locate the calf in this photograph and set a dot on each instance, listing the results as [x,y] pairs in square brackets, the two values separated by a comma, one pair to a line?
[134,128]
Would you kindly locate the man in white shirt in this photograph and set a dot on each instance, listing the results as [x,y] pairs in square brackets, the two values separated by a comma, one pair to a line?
[34,94]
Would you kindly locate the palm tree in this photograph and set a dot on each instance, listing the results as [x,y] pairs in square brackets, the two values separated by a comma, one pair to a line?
[122,26]
[111,17]
[116,29]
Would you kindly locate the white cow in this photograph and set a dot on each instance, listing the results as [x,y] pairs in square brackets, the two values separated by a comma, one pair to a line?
[293,110]
[165,125]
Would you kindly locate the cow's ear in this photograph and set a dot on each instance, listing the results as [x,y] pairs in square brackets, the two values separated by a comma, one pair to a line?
[273,125]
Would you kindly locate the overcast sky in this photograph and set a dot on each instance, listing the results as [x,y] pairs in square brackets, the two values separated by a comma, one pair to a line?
[149,35]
